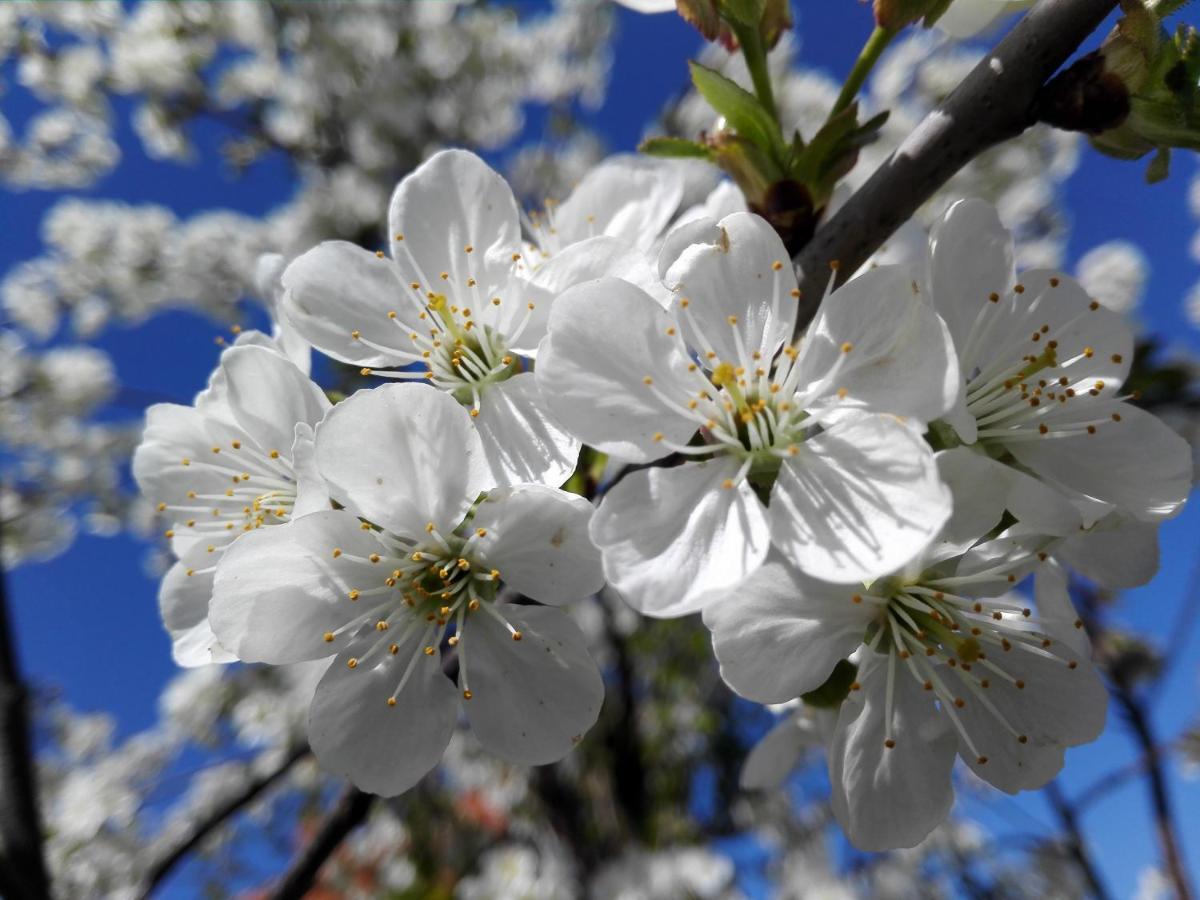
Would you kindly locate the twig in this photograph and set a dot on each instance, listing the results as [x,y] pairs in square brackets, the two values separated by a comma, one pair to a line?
[993,104]
[349,813]
[1068,817]
[22,866]
[174,853]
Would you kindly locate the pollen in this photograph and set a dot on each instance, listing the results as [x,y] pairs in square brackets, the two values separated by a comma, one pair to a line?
[355,335]
[337,552]
[352,663]
[353,595]
[391,701]
[467,695]
[776,266]
[274,454]
[328,637]
[847,347]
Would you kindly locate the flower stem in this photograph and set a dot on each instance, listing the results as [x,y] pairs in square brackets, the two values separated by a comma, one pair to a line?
[755,55]
[871,51]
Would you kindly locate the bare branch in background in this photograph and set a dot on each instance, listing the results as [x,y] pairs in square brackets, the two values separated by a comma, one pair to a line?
[350,812]
[993,104]
[22,867]
[1077,847]
[178,850]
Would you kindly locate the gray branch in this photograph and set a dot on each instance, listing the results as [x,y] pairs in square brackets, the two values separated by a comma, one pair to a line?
[22,865]
[993,104]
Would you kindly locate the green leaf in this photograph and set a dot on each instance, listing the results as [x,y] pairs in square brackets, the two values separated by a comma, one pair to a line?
[675,148]
[740,108]
[745,12]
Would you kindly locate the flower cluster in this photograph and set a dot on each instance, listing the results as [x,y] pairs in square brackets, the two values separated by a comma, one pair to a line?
[850,508]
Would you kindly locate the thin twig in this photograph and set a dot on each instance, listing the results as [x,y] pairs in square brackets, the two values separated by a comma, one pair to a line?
[22,866]
[350,812]
[993,104]
[177,850]
[1068,817]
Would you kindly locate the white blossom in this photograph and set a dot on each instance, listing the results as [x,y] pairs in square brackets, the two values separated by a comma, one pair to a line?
[412,561]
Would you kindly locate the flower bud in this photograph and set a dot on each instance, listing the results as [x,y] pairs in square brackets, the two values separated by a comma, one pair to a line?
[896,14]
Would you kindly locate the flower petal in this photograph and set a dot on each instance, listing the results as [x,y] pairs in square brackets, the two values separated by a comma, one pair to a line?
[739,281]
[183,603]
[311,493]
[383,749]
[522,441]
[338,288]
[279,590]
[268,396]
[858,501]
[779,635]
[1133,461]
[774,757]
[1117,552]
[672,536]
[972,258]
[886,798]
[606,337]
[900,357]
[538,538]
[453,201]
[403,455]
[626,197]
[533,699]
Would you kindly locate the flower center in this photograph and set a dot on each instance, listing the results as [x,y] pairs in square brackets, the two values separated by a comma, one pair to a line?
[957,647]
[429,588]
[261,491]
[1023,394]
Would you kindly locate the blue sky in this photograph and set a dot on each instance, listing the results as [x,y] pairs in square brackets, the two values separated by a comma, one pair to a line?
[87,622]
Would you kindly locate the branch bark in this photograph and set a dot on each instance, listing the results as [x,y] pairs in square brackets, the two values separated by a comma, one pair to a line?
[1068,817]
[994,103]
[22,866]
[350,812]
[173,854]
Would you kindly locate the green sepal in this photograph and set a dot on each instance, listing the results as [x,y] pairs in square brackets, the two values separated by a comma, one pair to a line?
[836,687]
[675,148]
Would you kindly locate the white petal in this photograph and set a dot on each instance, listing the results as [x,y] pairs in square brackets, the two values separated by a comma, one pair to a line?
[172,433]
[383,749]
[1010,766]
[671,536]
[533,699]
[890,798]
[732,276]
[183,603]
[1138,463]
[649,6]
[311,493]
[452,201]
[1057,705]
[268,396]
[972,258]
[1117,552]
[522,441]
[403,455]
[338,288]
[278,590]
[901,357]
[778,634]
[606,337]
[1056,612]
[627,197]
[538,538]
[858,501]
[773,758]
[598,257]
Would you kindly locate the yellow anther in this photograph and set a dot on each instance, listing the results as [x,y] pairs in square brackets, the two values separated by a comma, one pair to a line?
[379,254]
[776,266]
[481,532]
[168,533]
[337,552]
[399,237]
[394,649]
[795,292]
[473,606]
[353,595]
[727,484]
[1020,288]
[216,449]
[329,637]
[381,626]
[647,380]
[352,663]
[364,371]
[847,347]
[391,701]
[467,695]
[355,335]
[474,414]
[468,249]
[516,635]
[732,320]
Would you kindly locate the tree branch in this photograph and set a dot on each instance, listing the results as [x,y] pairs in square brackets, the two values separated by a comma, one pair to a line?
[177,850]
[350,812]
[993,104]
[22,867]
[1068,817]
